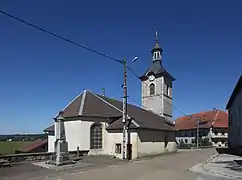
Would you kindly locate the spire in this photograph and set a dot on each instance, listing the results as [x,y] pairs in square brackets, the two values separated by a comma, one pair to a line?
[157,50]
[157,45]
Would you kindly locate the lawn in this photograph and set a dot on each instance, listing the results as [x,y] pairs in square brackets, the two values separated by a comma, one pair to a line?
[9,147]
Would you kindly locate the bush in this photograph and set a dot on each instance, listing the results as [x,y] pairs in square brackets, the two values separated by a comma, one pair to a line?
[206,142]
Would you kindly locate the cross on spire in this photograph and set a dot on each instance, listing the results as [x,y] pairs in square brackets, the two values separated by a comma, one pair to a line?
[156,35]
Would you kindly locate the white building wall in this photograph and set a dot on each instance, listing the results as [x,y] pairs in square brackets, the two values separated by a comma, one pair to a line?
[51,141]
[147,147]
[235,122]
[77,135]
[117,138]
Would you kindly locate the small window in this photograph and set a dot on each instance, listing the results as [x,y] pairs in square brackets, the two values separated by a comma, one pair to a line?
[186,141]
[118,148]
[158,55]
[166,90]
[152,89]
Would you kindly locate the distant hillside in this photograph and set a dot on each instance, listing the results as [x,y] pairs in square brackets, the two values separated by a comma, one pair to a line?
[22,137]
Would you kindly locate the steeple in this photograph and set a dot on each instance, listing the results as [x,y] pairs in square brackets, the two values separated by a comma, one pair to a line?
[157,50]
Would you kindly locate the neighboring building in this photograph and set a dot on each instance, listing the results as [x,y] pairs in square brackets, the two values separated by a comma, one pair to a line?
[94,122]
[213,125]
[234,108]
[39,145]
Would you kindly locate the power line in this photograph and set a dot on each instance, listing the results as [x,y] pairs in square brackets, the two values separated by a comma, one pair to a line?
[80,46]
[60,37]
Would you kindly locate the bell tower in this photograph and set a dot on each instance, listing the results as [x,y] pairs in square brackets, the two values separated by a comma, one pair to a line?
[156,85]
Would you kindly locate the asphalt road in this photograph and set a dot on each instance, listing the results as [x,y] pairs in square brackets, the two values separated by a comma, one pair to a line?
[167,167]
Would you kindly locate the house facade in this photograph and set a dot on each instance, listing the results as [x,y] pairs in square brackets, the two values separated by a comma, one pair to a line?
[234,107]
[93,122]
[212,125]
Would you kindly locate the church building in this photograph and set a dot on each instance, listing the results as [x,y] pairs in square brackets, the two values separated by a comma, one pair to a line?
[93,122]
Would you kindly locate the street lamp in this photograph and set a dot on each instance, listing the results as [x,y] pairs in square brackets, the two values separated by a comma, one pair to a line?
[124,120]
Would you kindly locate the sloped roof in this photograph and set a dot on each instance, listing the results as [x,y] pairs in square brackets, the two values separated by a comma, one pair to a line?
[94,105]
[33,145]
[236,90]
[157,69]
[50,128]
[216,118]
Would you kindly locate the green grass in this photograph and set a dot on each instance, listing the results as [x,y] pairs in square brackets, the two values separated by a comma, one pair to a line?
[7,147]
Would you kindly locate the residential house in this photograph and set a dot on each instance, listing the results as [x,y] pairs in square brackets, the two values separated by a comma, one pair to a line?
[234,107]
[212,125]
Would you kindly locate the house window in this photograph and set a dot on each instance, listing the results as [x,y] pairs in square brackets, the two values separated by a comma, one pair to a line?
[186,141]
[152,89]
[96,136]
[118,148]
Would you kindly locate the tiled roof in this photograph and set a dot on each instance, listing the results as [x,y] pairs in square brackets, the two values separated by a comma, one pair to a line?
[94,105]
[50,129]
[33,145]
[216,118]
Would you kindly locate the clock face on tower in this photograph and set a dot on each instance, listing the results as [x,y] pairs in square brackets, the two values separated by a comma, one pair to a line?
[151,77]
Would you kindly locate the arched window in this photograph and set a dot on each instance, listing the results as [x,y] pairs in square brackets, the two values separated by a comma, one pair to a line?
[152,89]
[96,136]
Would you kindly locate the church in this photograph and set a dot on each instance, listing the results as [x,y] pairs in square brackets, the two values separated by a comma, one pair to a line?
[93,122]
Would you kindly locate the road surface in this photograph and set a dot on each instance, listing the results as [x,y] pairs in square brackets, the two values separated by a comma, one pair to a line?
[167,167]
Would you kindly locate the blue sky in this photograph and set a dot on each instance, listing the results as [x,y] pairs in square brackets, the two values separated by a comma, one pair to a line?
[40,74]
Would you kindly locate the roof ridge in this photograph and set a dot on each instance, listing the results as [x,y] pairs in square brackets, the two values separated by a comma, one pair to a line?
[216,115]
[134,122]
[70,102]
[82,102]
[105,101]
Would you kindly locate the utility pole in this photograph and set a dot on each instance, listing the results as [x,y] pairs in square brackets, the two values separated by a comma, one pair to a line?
[124,109]
[198,121]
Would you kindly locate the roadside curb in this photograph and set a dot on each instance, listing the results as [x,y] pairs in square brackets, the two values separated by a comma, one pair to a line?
[217,172]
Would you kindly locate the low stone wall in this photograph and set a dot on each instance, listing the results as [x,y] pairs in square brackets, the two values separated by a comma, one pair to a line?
[13,158]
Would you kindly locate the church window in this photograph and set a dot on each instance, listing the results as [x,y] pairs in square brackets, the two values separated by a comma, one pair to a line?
[152,89]
[96,136]
[118,148]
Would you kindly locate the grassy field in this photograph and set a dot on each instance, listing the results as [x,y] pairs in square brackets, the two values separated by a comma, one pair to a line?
[7,147]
